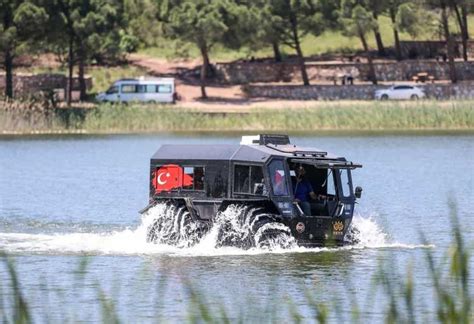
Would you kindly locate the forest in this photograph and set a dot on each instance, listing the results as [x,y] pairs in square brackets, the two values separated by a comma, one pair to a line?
[103,32]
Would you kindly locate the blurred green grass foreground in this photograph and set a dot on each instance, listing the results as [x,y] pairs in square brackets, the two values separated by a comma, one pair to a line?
[450,277]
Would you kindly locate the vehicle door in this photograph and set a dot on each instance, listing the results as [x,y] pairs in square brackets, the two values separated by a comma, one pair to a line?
[150,92]
[406,92]
[128,92]
[141,94]
[397,92]
[112,94]
[280,185]
[164,92]
[345,192]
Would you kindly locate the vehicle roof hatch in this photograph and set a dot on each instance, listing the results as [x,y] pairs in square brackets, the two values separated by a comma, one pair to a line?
[264,139]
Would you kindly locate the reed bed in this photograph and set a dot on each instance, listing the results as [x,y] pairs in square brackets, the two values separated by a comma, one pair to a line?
[329,116]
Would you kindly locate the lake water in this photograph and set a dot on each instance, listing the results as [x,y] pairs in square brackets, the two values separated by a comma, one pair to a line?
[69,219]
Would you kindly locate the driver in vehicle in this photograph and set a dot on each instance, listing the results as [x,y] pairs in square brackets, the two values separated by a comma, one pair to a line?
[303,191]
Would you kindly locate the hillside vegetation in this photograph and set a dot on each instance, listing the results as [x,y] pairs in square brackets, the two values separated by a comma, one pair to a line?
[103,32]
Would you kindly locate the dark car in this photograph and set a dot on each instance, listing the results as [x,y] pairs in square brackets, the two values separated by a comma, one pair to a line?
[248,192]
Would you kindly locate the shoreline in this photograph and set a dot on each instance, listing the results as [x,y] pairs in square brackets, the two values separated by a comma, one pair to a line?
[224,133]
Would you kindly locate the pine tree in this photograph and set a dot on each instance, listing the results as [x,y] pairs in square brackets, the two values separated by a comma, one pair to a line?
[21,25]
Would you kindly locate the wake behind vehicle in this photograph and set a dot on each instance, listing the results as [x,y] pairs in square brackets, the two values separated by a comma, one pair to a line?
[147,90]
[400,92]
[247,192]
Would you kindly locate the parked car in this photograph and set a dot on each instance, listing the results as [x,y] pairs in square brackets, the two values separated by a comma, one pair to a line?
[149,90]
[400,92]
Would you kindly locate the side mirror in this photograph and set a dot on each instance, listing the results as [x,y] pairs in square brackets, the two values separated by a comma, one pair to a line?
[358,192]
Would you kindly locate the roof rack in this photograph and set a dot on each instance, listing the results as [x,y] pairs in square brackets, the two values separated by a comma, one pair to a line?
[329,164]
[297,151]
[309,153]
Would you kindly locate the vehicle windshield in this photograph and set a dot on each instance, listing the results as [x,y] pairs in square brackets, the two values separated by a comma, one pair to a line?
[345,183]
[278,178]
[112,90]
[320,180]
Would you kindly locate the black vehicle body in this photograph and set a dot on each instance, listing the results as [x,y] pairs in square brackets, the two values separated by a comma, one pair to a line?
[208,178]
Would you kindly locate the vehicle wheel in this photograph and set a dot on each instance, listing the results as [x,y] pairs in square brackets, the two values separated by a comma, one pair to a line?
[384,97]
[414,97]
[235,226]
[176,226]
[274,235]
[152,102]
[247,226]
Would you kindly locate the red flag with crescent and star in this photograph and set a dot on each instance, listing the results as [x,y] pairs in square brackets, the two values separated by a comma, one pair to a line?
[170,176]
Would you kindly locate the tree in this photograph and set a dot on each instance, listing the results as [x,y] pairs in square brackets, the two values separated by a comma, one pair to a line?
[357,21]
[377,7]
[443,7]
[460,8]
[90,30]
[292,20]
[21,26]
[393,9]
[140,17]
[408,19]
[199,22]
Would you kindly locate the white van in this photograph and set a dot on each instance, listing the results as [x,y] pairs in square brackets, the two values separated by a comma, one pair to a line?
[150,90]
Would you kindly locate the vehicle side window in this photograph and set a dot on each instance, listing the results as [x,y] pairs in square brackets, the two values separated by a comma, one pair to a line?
[249,180]
[346,185]
[163,88]
[331,188]
[278,179]
[128,88]
[403,88]
[112,90]
[193,178]
[141,88]
[150,88]
[241,179]
[257,182]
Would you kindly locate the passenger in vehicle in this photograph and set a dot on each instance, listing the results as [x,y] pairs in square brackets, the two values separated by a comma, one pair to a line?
[303,191]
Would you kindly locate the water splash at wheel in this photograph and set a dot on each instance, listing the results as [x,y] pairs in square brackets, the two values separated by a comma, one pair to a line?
[174,225]
[247,227]
[238,226]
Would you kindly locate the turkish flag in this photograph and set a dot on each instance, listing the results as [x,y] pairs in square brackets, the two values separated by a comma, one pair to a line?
[170,176]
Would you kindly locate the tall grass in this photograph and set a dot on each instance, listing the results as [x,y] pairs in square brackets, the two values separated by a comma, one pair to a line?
[450,278]
[326,116]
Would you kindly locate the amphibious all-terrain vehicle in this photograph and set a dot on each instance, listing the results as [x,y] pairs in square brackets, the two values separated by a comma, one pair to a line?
[248,192]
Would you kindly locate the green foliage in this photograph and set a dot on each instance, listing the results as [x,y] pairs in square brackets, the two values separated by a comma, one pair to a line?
[140,18]
[22,22]
[409,19]
[97,28]
[199,22]
[357,21]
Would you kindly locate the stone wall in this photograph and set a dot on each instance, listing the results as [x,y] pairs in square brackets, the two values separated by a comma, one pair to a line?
[27,84]
[256,72]
[462,90]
